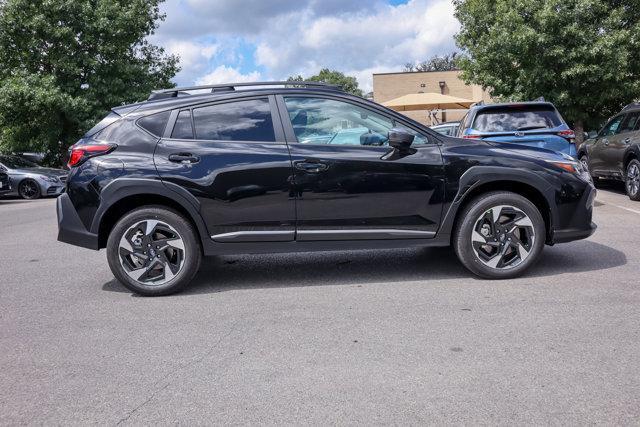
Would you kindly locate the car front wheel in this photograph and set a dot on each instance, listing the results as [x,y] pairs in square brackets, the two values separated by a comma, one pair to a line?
[154,251]
[499,235]
[632,182]
[29,189]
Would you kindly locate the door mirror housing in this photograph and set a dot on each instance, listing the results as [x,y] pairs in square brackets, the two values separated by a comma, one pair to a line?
[400,139]
[592,134]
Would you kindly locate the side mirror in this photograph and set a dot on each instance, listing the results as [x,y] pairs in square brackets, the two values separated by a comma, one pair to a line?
[592,134]
[400,139]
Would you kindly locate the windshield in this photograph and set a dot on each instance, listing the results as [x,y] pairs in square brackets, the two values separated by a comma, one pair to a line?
[511,119]
[14,162]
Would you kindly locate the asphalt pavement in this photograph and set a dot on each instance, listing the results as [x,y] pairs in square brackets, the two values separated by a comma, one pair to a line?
[369,337]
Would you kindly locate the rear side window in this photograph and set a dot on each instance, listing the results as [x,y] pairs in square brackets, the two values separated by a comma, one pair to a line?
[510,119]
[155,123]
[235,121]
[111,117]
[183,129]
[630,123]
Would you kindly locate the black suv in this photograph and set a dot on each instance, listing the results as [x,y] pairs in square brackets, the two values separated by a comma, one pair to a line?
[267,167]
[615,151]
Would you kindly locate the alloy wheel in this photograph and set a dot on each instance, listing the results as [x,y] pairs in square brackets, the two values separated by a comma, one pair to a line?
[151,252]
[633,179]
[503,237]
[29,189]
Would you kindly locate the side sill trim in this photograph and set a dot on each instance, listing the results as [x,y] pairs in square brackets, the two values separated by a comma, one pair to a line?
[255,236]
[367,234]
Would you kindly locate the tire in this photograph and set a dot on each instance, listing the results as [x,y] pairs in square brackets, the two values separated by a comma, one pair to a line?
[479,240]
[161,270]
[632,180]
[29,189]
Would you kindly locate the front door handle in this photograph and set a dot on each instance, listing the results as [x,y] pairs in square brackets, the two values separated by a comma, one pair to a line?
[311,167]
[606,141]
[628,140]
[184,158]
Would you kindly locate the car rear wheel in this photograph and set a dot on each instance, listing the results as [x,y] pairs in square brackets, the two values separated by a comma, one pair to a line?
[154,251]
[29,189]
[499,235]
[632,182]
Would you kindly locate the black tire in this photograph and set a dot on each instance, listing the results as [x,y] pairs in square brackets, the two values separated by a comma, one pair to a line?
[190,257]
[29,189]
[469,218]
[632,183]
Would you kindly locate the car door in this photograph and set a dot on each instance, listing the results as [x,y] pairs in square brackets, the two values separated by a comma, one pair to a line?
[600,158]
[349,183]
[625,137]
[232,156]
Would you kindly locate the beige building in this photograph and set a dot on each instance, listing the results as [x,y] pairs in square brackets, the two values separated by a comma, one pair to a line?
[388,86]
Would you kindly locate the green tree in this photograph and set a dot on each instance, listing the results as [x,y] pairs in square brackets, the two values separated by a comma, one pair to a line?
[447,62]
[64,63]
[347,83]
[582,55]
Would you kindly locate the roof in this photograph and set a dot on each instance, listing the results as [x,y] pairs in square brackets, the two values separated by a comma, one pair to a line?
[427,101]
[514,104]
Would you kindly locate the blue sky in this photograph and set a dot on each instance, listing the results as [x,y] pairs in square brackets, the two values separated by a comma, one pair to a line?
[222,41]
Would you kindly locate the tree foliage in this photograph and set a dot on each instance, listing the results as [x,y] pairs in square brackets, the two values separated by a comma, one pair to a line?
[582,55]
[63,64]
[447,62]
[348,83]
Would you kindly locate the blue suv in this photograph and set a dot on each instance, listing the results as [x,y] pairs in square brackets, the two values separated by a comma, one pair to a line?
[536,124]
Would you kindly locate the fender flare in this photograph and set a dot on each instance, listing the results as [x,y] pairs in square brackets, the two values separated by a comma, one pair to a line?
[481,175]
[632,151]
[121,188]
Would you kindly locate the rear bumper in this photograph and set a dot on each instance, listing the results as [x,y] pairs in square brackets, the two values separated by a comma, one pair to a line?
[70,228]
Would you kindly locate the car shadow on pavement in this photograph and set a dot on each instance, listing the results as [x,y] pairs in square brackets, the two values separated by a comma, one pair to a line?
[225,273]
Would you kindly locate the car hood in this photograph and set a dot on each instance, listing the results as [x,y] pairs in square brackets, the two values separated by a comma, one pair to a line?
[40,171]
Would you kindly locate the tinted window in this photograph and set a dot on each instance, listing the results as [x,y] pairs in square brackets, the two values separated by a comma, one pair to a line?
[327,121]
[155,123]
[183,129]
[111,117]
[235,121]
[510,119]
[14,162]
[630,123]
[612,127]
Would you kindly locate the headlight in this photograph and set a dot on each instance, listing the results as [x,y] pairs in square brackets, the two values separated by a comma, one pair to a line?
[576,168]
[50,178]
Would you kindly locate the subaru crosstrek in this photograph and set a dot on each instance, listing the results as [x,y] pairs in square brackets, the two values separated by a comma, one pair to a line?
[264,168]
[536,124]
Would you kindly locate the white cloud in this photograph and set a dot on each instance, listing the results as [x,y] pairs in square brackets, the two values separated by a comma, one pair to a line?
[192,54]
[290,37]
[224,74]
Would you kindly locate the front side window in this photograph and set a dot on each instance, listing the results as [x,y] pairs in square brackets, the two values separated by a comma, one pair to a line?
[612,127]
[235,121]
[327,121]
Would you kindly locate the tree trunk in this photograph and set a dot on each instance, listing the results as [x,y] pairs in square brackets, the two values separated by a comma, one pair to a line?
[578,128]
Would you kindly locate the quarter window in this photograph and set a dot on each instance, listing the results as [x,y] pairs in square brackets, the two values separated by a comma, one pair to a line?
[183,129]
[235,121]
[327,121]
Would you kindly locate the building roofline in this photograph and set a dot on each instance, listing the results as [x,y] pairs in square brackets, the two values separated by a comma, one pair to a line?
[414,72]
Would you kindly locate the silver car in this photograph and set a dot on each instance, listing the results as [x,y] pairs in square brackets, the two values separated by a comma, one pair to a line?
[30,181]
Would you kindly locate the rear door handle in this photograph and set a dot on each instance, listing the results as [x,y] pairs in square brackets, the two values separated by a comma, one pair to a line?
[311,167]
[184,158]
[606,141]
[628,140]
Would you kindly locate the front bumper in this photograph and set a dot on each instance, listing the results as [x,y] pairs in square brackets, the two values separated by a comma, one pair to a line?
[70,227]
[577,222]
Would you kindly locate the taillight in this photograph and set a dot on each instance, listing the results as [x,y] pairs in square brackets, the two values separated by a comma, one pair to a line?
[81,153]
[471,136]
[568,134]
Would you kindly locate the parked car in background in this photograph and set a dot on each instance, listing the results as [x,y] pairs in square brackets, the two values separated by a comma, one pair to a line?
[30,181]
[272,168]
[5,184]
[447,128]
[536,124]
[614,153]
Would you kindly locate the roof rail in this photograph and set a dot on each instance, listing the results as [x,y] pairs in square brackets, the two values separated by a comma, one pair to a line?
[632,105]
[229,87]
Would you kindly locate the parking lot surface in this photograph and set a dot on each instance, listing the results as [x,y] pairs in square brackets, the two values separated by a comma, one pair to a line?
[404,336]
